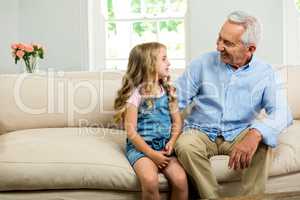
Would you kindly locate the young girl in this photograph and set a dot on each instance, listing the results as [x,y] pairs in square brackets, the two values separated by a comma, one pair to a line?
[147,106]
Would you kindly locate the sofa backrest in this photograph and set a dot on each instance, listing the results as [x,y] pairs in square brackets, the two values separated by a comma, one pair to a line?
[79,98]
[57,100]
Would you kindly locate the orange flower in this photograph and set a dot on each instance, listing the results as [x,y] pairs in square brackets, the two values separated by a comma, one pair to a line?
[14,46]
[20,54]
[21,46]
[28,48]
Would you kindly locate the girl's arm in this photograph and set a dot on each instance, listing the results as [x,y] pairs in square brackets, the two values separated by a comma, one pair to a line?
[176,126]
[130,126]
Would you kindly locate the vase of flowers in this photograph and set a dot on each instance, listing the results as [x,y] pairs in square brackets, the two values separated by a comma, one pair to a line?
[29,53]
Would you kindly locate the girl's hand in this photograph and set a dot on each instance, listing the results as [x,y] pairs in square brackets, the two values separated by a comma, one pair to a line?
[169,148]
[172,91]
[160,159]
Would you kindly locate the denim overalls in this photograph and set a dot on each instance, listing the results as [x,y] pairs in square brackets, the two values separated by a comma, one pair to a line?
[153,125]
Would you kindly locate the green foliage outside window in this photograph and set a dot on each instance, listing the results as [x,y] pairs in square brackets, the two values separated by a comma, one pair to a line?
[151,7]
[170,25]
[136,6]
[155,6]
[140,27]
[111,26]
[298,4]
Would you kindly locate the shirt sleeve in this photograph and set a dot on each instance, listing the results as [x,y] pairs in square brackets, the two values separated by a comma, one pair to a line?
[188,84]
[135,98]
[278,117]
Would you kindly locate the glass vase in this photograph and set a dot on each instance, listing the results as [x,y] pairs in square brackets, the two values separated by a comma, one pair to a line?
[31,64]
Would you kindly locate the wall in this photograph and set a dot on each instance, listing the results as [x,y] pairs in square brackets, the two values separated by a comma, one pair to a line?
[207,16]
[59,25]
[62,26]
[292,33]
[9,34]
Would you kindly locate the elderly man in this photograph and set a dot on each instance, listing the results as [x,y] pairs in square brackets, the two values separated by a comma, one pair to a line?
[228,89]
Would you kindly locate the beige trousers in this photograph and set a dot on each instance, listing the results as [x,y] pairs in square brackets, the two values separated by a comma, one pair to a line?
[194,148]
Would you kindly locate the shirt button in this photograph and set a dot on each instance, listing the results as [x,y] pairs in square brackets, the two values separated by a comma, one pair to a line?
[234,78]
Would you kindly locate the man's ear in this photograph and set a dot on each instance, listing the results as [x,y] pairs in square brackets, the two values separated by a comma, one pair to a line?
[252,48]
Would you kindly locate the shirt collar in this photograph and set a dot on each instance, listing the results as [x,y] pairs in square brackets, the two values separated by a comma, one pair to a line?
[246,66]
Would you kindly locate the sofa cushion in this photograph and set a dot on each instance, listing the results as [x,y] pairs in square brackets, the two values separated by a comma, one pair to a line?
[287,155]
[65,158]
[72,158]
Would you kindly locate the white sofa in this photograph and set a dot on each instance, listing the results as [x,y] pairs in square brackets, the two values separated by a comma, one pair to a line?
[57,140]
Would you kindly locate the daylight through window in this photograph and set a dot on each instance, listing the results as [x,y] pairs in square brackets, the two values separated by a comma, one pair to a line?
[298,4]
[131,22]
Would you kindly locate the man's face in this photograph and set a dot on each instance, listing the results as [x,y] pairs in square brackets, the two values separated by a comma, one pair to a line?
[230,45]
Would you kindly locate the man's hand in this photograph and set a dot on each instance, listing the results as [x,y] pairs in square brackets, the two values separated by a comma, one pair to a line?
[243,151]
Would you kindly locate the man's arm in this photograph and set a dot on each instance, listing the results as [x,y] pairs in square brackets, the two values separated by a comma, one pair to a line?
[187,85]
[274,101]
[278,117]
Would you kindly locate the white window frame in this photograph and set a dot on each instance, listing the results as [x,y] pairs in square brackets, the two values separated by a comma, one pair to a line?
[96,35]
[97,40]
[149,19]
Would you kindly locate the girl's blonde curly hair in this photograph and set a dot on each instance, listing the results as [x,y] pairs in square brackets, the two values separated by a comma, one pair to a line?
[141,70]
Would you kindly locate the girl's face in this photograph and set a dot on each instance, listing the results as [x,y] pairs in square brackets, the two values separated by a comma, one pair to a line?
[163,63]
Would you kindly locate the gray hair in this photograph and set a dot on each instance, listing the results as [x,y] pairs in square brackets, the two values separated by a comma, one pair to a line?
[252,34]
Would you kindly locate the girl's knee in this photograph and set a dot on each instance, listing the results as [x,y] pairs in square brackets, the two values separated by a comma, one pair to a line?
[179,181]
[150,183]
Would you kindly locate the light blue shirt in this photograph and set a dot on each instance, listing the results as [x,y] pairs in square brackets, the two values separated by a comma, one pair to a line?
[227,101]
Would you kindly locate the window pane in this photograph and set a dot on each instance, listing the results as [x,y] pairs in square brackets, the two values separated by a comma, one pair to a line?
[129,9]
[116,9]
[155,7]
[164,8]
[116,64]
[144,32]
[298,4]
[177,8]
[136,6]
[133,22]
[117,39]
[172,35]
